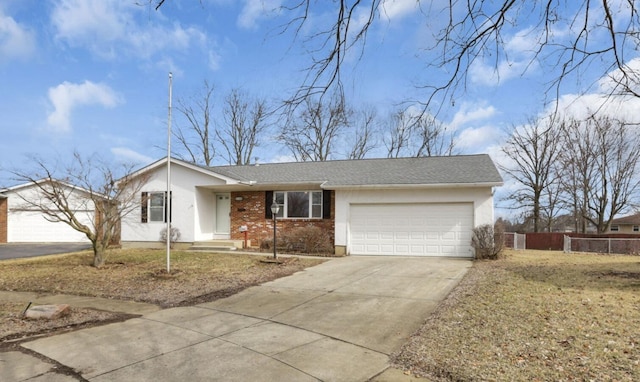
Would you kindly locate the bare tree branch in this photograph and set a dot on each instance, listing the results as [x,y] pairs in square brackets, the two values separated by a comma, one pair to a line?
[364,136]
[311,133]
[245,122]
[198,138]
[87,195]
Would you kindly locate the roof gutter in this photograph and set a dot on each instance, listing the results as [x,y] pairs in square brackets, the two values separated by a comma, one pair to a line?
[414,186]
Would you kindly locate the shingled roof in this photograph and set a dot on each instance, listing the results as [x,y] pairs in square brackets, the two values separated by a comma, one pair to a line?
[449,170]
[631,219]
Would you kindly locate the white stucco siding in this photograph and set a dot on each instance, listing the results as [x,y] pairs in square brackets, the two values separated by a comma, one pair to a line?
[189,206]
[204,210]
[480,198]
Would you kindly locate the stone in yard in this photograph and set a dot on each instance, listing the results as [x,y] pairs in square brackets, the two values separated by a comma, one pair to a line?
[47,311]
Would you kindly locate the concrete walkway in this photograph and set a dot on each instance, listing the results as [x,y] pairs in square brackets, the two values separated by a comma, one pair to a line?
[107,304]
[338,321]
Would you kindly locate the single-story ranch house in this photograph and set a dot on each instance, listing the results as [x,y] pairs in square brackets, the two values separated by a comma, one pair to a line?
[406,206]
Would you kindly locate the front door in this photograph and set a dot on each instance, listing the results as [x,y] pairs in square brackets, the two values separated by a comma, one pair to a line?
[223,210]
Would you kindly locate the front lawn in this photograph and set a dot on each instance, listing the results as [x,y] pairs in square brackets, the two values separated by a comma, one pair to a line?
[535,316]
[132,274]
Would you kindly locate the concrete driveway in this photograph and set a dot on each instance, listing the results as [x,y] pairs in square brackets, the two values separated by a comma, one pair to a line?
[338,321]
[19,250]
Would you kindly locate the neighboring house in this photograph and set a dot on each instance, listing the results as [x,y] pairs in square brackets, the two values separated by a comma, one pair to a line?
[406,206]
[22,222]
[626,224]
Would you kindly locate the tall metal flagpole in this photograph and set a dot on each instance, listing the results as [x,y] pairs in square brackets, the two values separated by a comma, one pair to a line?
[168,197]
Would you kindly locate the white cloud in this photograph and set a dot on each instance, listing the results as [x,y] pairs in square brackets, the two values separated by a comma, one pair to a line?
[67,96]
[214,60]
[16,41]
[281,159]
[519,50]
[397,9]
[478,139]
[127,155]
[254,10]
[469,113]
[624,107]
[109,28]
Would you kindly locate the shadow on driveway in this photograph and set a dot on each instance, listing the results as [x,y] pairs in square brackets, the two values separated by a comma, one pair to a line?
[22,250]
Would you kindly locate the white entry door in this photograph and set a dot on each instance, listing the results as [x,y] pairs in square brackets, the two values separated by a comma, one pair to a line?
[223,210]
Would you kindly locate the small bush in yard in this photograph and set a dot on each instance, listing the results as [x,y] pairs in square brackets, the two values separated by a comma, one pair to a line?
[174,238]
[307,239]
[488,241]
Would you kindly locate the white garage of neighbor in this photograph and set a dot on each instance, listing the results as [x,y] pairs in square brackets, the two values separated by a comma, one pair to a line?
[26,224]
[32,227]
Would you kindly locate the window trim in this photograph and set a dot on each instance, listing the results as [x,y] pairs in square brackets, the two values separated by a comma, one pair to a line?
[282,199]
[146,207]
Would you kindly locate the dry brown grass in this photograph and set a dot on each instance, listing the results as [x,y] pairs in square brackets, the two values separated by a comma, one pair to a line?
[15,328]
[138,275]
[535,316]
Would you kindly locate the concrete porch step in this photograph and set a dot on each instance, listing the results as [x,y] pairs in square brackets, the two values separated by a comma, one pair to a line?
[217,245]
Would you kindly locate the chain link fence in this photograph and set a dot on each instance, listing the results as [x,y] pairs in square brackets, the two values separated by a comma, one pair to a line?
[626,246]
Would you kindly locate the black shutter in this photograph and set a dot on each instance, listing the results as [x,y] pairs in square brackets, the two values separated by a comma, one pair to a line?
[144,201]
[268,199]
[326,204]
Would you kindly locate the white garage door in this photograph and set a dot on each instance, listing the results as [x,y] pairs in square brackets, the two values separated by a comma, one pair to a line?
[32,227]
[411,229]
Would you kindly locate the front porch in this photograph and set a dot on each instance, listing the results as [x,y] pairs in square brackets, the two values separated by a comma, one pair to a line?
[218,245]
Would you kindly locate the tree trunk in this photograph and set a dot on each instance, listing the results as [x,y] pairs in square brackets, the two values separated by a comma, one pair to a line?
[99,255]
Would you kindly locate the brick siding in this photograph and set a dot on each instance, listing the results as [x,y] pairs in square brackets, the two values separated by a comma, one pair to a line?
[248,209]
[3,220]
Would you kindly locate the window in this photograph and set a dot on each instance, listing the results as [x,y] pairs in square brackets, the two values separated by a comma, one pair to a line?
[615,228]
[154,207]
[299,204]
[636,228]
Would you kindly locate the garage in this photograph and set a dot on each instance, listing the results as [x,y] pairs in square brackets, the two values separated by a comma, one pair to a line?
[32,227]
[428,229]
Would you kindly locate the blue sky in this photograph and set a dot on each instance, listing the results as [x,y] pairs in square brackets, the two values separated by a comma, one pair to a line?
[92,75]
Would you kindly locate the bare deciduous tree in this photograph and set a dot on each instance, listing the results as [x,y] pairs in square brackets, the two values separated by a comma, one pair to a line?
[310,134]
[417,135]
[197,139]
[364,136]
[433,138]
[602,167]
[533,150]
[577,169]
[87,184]
[245,121]
[399,130]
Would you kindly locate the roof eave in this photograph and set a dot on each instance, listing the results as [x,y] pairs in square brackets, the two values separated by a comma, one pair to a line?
[163,161]
[399,186]
[257,186]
